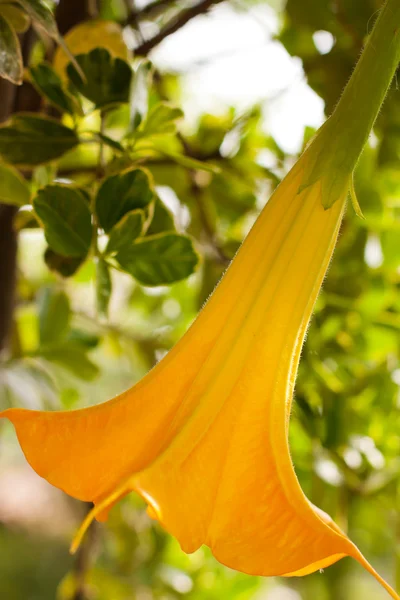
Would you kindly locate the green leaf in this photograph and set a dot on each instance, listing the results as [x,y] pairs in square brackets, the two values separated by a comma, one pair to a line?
[120,194]
[110,142]
[13,188]
[391,248]
[83,338]
[160,259]
[50,85]
[185,161]
[126,231]
[11,66]
[107,80]
[32,140]
[17,18]
[139,94]
[54,315]
[66,219]
[354,199]
[103,287]
[66,266]
[72,357]
[41,13]
[161,120]
[69,398]
[25,219]
[163,219]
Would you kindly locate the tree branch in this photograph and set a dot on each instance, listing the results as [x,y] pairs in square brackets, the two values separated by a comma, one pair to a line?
[151,10]
[175,24]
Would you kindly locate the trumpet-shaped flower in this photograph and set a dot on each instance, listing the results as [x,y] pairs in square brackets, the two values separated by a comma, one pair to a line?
[203,438]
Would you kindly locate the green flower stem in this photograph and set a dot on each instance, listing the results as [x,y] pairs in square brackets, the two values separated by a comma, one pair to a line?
[365,93]
[337,148]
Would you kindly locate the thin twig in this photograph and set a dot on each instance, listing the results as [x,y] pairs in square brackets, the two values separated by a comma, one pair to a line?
[92,8]
[155,341]
[149,11]
[83,562]
[175,24]
[208,229]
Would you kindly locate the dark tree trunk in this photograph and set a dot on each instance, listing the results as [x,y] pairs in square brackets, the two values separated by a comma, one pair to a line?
[72,12]
[8,264]
[17,99]
[13,99]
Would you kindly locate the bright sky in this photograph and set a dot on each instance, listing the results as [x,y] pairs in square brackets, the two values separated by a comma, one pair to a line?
[230,58]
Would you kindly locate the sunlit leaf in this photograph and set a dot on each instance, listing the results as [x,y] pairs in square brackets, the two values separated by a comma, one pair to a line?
[17,18]
[73,358]
[139,94]
[10,53]
[42,15]
[40,12]
[161,120]
[103,286]
[13,187]
[87,36]
[54,315]
[186,161]
[113,144]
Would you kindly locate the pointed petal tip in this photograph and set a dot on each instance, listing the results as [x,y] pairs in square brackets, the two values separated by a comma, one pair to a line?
[360,558]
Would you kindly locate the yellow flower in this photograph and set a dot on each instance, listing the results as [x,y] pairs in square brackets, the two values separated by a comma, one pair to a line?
[203,438]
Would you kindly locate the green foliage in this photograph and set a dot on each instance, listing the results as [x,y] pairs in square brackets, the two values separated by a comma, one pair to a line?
[161,120]
[10,53]
[71,357]
[16,17]
[159,259]
[126,231]
[139,95]
[103,80]
[50,85]
[131,187]
[30,140]
[103,287]
[41,13]
[65,216]
[129,191]
[66,266]
[13,188]
[162,220]
[54,316]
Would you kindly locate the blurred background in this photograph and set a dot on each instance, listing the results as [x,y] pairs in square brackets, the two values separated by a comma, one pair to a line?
[254,80]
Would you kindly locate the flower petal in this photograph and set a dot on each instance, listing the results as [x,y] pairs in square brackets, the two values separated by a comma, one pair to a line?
[204,436]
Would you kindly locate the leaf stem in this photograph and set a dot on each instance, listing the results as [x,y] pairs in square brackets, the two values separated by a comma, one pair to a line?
[101,166]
